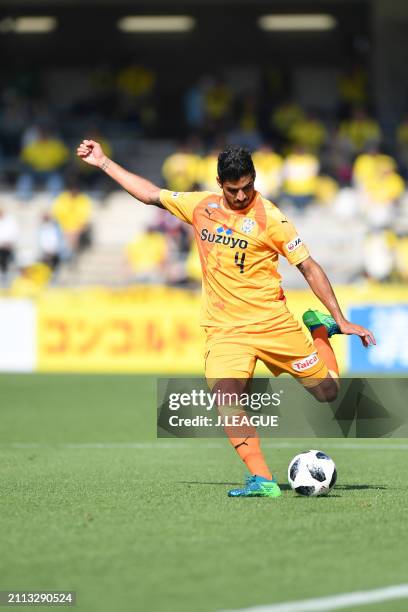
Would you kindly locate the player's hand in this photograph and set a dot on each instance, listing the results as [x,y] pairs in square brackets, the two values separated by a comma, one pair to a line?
[350,329]
[91,152]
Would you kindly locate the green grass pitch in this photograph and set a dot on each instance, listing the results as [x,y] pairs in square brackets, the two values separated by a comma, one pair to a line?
[91,501]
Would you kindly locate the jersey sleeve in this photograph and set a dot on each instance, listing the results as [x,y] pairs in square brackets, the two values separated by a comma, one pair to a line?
[181,204]
[286,240]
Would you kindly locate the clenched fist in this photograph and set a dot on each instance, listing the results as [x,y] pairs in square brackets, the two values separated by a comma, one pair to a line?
[91,153]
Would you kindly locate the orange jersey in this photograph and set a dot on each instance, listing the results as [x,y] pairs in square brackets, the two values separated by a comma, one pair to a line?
[239,252]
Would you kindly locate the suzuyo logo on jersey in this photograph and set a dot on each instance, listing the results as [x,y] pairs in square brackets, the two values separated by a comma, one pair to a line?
[224,236]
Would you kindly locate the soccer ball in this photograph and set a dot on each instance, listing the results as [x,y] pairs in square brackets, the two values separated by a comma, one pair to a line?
[312,473]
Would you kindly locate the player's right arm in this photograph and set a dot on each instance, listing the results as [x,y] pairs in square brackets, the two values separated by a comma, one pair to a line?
[140,188]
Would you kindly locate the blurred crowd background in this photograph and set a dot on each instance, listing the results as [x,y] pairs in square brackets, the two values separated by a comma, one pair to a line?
[325,147]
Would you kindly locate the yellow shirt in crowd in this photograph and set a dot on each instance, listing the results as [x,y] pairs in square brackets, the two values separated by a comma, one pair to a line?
[181,171]
[300,174]
[285,116]
[368,167]
[268,166]
[45,155]
[386,189]
[360,132]
[208,172]
[147,252]
[308,133]
[72,211]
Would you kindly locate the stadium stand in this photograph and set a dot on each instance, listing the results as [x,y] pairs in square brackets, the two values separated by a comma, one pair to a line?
[326,170]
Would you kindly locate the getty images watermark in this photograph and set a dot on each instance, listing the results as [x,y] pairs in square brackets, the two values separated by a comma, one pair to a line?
[364,408]
[189,408]
[223,401]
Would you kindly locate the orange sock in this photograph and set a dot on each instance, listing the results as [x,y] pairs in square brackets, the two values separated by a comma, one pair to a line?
[324,348]
[249,449]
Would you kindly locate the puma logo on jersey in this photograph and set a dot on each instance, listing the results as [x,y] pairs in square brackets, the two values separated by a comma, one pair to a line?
[213,206]
[209,213]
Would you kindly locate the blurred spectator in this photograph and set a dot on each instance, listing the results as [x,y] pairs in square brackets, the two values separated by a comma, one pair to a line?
[218,100]
[381,198]
[300,172]
[248,132]
[378,257]
[178,234]
[146,256]
[43,161]
[181,170]
[51,242]
[135,81]
[379,187]
[326,190]
[309,133]
[8,241]
[360,131]
[268,166]
[31,280]
[284,118]
[194,106]
[208,171]
[72,209]
[369,165]
[178,237]
[353,89]
[135,84]
[339,157]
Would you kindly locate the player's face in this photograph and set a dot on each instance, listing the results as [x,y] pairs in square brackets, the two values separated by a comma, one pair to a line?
[238,194]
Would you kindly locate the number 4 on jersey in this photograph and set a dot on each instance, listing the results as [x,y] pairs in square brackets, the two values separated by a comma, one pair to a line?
[239,261]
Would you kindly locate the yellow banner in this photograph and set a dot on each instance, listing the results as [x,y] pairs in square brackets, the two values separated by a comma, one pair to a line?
[100,331]
[149,329]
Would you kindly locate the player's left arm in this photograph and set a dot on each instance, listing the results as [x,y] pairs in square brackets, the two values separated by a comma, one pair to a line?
[321,287]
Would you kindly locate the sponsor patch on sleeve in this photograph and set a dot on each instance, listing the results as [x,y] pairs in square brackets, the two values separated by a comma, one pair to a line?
[294,244]
[305,364]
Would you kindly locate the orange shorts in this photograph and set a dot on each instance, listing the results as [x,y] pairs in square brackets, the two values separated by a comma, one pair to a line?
[280,343]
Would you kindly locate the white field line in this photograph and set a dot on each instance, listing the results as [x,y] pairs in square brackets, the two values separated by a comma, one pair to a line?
[175,445]
[335,602]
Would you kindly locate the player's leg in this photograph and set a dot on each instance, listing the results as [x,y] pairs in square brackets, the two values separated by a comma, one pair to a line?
[287,349]
[236,364]
[324,391]
[322,327]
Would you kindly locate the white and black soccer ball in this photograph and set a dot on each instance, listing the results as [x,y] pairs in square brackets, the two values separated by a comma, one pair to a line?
[312,473]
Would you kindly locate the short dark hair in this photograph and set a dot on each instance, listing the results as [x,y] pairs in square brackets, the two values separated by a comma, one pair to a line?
[234,163]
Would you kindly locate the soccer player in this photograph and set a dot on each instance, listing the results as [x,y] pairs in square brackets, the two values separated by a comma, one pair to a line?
[240,236]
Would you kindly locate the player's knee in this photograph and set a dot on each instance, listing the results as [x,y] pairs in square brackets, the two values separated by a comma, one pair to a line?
[326,391]
[331,394]
[230,387]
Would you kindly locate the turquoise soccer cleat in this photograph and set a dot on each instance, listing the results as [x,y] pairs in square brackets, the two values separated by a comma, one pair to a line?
[257,486]
[313,319]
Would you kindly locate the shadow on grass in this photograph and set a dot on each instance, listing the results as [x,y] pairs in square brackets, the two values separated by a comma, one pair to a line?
[286,487]
[195,482]
[358,487]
